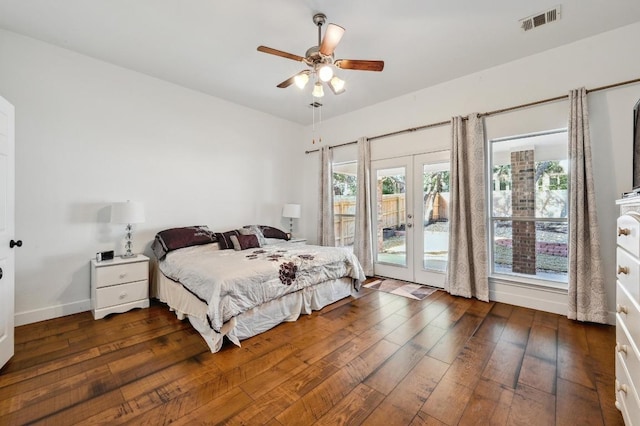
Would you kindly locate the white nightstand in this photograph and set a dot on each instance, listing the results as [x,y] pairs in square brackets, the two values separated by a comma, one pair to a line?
[119,285]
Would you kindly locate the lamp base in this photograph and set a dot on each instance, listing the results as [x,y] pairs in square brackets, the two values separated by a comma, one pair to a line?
[128,255]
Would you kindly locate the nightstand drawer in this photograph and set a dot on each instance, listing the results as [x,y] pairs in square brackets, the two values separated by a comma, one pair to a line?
[125,273]
[123,293]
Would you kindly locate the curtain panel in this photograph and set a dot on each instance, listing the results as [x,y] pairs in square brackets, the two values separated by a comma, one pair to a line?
[587,298]
[326,232]
[363,242]
[467,270]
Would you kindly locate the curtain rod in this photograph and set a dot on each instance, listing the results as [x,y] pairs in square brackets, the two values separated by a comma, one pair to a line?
[483,114]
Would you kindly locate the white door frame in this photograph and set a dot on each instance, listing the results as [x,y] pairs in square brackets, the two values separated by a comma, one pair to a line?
[7,218]
[423,276]
[413,270]
[400,272]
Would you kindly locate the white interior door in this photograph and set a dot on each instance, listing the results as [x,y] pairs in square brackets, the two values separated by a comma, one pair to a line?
[411,217]
[6,230]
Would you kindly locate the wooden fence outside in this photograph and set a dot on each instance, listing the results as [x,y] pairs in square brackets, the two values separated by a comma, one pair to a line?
[391,214]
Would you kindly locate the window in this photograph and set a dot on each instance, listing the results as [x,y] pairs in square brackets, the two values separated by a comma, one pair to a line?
[529,206]
[344,202]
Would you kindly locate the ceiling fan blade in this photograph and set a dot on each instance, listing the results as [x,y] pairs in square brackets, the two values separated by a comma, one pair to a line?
[355,64]
[332,37]
[288,82]
[277,52]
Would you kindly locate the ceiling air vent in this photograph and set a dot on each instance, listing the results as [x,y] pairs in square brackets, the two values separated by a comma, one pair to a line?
[534,21]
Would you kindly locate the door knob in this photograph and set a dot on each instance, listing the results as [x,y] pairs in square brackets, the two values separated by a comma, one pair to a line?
[12,243]
[409,225]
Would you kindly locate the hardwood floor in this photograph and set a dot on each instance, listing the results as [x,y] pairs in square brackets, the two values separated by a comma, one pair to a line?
[373,359]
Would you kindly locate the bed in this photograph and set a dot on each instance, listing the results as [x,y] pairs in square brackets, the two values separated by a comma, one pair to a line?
[241,283]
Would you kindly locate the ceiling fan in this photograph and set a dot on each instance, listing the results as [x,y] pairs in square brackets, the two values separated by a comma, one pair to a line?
[320,60]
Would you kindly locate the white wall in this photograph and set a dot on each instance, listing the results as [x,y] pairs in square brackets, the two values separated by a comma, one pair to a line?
[89,133]
[597,61]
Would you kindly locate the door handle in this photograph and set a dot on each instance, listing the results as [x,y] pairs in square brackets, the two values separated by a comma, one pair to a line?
[12,243]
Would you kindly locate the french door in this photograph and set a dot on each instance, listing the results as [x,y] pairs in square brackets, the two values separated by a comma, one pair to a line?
[410,217]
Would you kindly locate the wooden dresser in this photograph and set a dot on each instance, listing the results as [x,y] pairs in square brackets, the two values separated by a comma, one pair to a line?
[628,311]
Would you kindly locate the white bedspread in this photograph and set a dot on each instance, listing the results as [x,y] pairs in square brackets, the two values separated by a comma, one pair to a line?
[232,282]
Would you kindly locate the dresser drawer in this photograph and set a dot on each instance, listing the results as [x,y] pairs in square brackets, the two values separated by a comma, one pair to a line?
[628,272]
[626,396]
[627,311]
[123,293]
[124,273]
[628,354]
[628,232]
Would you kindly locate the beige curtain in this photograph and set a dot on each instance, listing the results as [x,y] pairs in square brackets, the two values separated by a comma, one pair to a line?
[326,233]
[363,243]
[587,299]
[467,271]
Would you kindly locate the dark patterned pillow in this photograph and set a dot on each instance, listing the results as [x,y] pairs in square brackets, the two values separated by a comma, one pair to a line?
[243,242]
[271,232]
[176,238]
[223,239]
[253,229]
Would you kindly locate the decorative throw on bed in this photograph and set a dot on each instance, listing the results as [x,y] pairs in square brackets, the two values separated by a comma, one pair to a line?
[231,282]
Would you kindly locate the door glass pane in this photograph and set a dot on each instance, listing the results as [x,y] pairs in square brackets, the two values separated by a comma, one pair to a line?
[391,208]
[435,199]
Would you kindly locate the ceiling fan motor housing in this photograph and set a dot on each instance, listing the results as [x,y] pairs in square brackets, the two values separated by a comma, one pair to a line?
[313,57]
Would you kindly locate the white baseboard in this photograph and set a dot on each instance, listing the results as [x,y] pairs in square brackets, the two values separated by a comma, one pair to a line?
[28,317]
[546,300]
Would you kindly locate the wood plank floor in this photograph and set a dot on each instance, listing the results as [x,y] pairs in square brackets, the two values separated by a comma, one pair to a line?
[375,358]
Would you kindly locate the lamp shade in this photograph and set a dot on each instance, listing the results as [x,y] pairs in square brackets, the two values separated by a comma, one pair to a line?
[128,212]
[291,210]
[318,92]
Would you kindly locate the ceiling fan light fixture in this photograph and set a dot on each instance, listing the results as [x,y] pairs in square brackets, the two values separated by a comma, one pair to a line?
[301,79]
[318,92]
[337,85]
[325,72]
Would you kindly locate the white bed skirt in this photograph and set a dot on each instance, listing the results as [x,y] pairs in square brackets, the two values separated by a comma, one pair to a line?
[254,321]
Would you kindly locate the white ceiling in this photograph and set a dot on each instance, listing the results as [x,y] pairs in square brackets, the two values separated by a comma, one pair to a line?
[210,46]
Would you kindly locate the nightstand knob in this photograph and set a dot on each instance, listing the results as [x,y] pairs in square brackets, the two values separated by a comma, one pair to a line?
[623,231]
[123,295]
[623,270]
[621,309]
[621,348]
